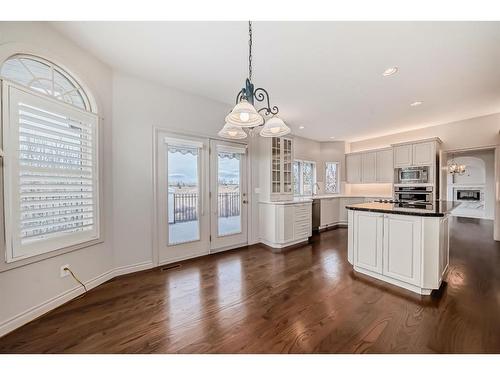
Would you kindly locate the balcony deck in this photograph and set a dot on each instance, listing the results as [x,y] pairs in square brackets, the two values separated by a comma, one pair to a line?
[187,231]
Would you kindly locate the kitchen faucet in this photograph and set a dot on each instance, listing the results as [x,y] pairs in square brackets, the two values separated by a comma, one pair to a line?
[315,188]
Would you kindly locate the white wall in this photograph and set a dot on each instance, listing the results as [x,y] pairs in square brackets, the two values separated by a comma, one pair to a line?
[28,291]
[320,152]
[138,107]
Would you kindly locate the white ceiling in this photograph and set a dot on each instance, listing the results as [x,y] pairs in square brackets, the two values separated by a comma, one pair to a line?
[325,76]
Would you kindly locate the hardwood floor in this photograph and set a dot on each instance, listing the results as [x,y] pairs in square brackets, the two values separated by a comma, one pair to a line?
[307,300]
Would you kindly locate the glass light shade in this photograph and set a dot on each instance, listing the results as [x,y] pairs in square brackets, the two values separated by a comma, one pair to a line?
[455,168]
[232,132]
[274,127]
[244,115]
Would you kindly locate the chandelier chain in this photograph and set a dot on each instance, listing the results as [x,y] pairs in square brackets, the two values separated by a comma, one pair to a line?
[250,50]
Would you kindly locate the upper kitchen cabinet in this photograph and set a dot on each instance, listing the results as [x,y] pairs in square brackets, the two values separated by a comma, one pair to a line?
[403,156]
[353,168]
[422,153]
[370,167]
[385,169]
[276,158]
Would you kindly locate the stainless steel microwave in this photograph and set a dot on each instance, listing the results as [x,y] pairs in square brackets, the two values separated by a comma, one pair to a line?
[413,175]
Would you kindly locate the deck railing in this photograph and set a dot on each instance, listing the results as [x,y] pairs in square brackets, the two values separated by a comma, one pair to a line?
[229,204]
[185,206]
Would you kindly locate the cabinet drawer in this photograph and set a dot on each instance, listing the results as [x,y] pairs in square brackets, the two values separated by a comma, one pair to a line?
[303,209]
[304,222]
[302,231]
[304,226]
[304,234]
[302,216]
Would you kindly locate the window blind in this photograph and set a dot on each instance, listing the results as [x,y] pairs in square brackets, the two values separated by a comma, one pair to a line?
[53,179]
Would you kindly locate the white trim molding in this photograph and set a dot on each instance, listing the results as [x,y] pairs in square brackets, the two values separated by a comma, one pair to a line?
[34,312]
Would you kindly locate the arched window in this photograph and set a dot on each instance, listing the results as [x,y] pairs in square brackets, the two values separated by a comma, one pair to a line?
[51,170]
[45,77]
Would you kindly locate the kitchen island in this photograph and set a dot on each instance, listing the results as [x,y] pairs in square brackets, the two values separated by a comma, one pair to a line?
[403,244]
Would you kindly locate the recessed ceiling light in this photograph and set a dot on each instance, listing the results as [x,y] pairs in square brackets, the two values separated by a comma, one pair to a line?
[301,127]
[332,137]
[416,104]
[390,71]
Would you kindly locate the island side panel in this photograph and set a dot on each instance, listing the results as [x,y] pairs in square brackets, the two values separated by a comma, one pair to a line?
[434,237]
[350,236]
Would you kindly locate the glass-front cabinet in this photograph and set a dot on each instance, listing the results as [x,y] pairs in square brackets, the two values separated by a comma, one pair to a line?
[276,165]
[281,166]
[287,166]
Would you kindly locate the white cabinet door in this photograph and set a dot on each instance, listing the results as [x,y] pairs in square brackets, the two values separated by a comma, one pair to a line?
[368,240]
[286,223]
[342,210]
[424,153]
[329,211]
[346,202]
[353,168]
[403,156]
[369,167]
[385,166]
[403,248]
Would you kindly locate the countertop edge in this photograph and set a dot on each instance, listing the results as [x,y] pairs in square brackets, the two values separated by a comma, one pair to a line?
[396,212]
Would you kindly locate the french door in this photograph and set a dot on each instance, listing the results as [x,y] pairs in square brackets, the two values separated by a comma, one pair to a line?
[200,196]
[228,195]
[182,197]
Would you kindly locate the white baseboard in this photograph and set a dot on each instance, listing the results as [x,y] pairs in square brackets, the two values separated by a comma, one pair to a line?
[52,303]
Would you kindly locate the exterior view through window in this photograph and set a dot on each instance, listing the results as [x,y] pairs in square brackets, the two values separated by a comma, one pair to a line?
[331,177]
[183,194]
[51,165]
[229,190]
[304,177]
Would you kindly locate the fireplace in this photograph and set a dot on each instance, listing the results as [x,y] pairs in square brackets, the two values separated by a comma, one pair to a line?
[469,194]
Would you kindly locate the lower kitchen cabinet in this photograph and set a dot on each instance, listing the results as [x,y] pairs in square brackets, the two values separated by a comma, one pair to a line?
[411,252]
[283,224]
[402,247]
[330,212]
[368,241]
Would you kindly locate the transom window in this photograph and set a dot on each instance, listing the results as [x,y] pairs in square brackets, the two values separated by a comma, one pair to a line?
[45,77]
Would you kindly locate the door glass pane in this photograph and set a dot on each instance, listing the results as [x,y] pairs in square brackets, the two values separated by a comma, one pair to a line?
[228,193]
[183,193]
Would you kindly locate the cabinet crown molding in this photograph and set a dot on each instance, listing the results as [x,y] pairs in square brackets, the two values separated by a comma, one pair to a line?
[433,139]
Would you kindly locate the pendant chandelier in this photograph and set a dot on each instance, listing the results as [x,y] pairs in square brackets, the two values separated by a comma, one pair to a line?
[245,116]
[456,169]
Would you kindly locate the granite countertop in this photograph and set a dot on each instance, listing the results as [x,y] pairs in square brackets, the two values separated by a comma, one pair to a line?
[436,209]
[295,200]
[307,199]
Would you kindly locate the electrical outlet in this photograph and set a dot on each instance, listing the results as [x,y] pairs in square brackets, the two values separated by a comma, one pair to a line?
[64,272]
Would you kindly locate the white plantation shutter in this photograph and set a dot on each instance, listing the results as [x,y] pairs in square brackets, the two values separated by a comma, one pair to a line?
[51,163]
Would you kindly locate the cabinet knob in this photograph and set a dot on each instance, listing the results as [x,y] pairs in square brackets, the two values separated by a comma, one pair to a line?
[245,201]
